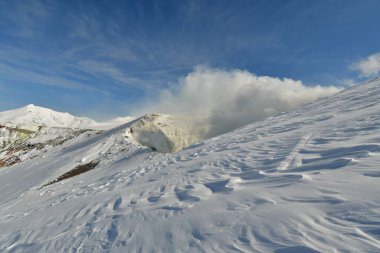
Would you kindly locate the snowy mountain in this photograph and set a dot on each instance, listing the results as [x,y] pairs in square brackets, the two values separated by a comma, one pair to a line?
[32,130]
[17,144]
[32,115]
[303,181]
[37,133]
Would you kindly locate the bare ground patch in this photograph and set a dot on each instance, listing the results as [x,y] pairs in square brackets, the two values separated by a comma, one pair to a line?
[74,172]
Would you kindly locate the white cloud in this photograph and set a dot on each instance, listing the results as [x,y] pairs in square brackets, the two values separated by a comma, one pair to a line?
[233,98]
[369,66]
[347,82]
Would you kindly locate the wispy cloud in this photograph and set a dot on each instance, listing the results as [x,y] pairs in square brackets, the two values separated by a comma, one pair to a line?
[25,18]
[18,74]
[109,70]
[347,82]
[131,50]
[369,66]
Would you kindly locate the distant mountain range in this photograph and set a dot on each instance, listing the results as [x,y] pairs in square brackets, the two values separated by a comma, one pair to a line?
[32,115]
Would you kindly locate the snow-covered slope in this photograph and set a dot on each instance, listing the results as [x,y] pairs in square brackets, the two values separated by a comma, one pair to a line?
[17,145]
[304,181]
[106,125]
[32,115]
[31,130]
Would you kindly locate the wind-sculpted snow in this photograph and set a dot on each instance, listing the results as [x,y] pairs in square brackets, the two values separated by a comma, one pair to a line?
[304,181]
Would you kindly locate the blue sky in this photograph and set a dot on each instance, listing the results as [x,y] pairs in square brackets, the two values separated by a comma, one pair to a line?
[106,58]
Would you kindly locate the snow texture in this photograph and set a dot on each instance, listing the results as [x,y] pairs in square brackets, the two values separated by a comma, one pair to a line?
[303,181]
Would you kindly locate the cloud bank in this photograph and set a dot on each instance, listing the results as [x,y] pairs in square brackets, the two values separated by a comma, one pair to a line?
[368,67]
[230,99]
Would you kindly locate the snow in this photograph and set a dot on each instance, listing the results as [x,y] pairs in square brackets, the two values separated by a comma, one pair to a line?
[106,125]
[17,145]
[303,181]
[32,115]
[36,124]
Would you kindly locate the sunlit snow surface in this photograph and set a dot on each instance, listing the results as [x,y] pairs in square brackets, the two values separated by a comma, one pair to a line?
[39,116]
[304,181]
[31,116]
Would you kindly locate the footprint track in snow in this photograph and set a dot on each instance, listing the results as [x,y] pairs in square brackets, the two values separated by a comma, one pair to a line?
[116,205]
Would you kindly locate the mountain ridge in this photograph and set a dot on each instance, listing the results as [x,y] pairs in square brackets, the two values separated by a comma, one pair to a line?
[40,116]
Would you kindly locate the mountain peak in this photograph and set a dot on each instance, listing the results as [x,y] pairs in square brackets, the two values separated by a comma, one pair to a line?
[34,108]
[40,116]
